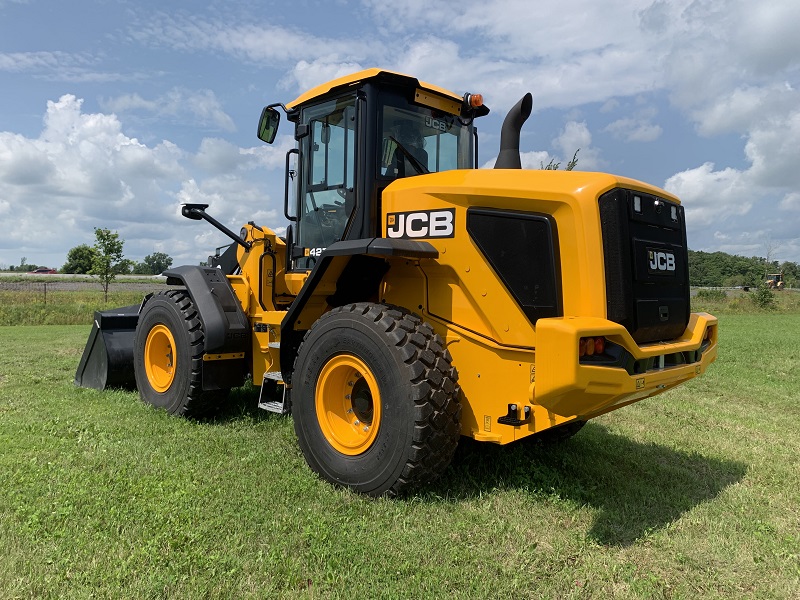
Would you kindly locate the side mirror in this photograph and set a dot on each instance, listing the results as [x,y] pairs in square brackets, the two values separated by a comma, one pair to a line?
[268,124]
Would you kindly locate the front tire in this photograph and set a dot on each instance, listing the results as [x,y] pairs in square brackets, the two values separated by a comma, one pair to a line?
[168,356]
[375,400]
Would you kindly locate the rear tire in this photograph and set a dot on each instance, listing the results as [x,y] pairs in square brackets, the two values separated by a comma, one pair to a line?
[168,356]
[375,400]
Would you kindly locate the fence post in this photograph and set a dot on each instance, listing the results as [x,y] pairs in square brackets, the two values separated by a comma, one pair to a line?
[45,293]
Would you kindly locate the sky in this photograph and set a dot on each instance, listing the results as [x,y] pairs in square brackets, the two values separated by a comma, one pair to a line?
[114,113]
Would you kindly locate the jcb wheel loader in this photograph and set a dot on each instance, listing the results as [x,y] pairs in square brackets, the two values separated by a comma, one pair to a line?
[416,298]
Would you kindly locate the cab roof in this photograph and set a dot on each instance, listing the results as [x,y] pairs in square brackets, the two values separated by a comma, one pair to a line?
[361,76]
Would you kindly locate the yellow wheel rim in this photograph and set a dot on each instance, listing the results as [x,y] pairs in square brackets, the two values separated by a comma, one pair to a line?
[348,404]
[159,358]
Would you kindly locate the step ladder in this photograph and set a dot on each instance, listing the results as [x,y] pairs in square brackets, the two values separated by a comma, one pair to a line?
[281,406]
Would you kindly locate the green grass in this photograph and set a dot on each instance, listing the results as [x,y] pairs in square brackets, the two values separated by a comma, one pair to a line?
[726,302]
[694,493]
[60,308]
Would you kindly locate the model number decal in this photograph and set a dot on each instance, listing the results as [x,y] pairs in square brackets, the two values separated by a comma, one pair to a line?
[421,224]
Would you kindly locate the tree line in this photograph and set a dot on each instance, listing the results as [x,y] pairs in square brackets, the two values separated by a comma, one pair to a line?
[719,269]
[105,260]
[82,259]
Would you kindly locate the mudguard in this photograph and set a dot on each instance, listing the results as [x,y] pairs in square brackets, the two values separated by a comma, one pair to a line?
[357,267]
[226,326]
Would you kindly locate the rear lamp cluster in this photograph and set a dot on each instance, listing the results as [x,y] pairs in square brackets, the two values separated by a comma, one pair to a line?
[589,346]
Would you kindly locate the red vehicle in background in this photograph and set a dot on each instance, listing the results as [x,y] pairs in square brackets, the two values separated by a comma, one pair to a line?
[43,271]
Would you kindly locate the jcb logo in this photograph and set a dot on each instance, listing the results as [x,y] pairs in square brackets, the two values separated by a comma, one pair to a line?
[661,261]
[422,224]
[436,124]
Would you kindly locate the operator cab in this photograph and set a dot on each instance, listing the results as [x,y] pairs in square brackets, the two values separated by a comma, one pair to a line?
[355,136]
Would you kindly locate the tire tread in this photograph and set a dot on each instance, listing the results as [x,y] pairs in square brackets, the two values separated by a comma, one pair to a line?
[434,389]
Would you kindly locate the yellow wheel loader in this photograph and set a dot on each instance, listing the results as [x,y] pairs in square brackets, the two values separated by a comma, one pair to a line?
[774,281]
[416,298]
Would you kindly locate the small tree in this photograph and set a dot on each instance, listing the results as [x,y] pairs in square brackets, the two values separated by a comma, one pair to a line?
[79,260]
[108,259]
[763,297]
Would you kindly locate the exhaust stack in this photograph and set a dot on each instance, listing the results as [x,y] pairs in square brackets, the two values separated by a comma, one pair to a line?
[508,158]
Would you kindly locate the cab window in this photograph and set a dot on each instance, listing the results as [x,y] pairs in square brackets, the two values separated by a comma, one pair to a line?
[417,140]
[326,196]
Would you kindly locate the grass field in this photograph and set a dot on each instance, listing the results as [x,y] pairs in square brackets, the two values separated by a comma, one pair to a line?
[32,303]
[692,494]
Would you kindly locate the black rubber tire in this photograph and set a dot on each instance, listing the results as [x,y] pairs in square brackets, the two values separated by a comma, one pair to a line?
[419,425]
[175,310]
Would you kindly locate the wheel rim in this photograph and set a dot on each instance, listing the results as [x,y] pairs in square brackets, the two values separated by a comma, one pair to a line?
[348,404]
[159,358]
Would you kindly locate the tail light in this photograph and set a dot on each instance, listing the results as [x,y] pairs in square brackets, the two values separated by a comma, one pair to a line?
[590,346]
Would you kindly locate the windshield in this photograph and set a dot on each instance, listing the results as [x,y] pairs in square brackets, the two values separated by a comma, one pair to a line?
[417,140]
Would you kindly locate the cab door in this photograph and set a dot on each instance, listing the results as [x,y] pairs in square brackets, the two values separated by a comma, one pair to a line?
[326,190]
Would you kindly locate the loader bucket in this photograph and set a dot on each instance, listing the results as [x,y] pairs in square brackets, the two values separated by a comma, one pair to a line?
[107,360]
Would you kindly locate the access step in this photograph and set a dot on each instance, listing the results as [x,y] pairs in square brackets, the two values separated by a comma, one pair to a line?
[269,391]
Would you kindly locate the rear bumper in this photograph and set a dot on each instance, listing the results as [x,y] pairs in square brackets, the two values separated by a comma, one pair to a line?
[567,387]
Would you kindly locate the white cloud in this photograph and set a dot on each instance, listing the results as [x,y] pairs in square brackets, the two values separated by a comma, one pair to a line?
[576,136]
[773,148]
[609,106]
[179,105]
[16,62]
[308,74]
[730,68]
[83,171]
[256,43]
[57,65]
[791,202]
[710,196]
[635,129]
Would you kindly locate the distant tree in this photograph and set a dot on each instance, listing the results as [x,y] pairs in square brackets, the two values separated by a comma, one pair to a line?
[79,260]
[108,260]
[791,273]
[717,269]
[125,267]
[25,266]
[154,264]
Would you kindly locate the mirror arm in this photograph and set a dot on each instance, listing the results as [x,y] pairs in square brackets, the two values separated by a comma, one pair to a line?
[196,212]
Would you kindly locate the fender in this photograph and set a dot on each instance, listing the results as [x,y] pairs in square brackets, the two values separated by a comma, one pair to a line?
[355,269]
[225,324]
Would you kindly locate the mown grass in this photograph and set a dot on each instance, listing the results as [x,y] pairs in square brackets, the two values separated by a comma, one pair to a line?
[695,493]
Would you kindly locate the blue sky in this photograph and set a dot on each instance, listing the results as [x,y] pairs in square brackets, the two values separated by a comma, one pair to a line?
[113,113]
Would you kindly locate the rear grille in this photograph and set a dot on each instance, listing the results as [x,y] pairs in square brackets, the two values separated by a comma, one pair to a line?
[646,264]
[521,248]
